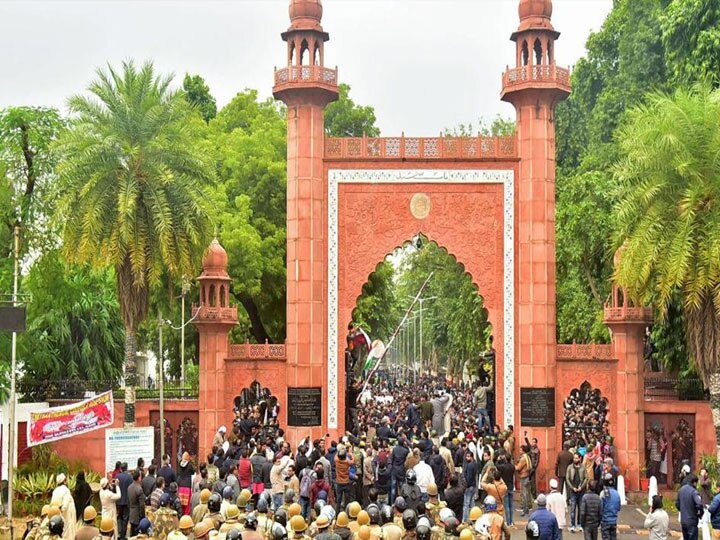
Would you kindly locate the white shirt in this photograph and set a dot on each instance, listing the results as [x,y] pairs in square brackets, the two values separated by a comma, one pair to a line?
[557,504]
[425,476]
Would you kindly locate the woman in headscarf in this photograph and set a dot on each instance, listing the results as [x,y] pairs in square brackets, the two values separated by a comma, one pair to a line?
[62,496]
[82,494]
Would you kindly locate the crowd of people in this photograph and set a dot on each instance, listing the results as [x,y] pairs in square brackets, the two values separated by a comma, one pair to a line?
[417,465]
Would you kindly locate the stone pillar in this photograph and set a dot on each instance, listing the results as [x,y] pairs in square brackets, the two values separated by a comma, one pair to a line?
[627,325]
[534,90]
[306,88]
[214,318]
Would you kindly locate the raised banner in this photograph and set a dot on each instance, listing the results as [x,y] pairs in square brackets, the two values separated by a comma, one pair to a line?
[57,423]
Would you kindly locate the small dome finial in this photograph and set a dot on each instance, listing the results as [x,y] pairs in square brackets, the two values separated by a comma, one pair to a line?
[305,14]
[535,14]
[215,257]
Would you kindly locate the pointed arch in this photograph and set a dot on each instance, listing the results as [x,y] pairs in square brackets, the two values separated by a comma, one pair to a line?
[538,50]
[525,53]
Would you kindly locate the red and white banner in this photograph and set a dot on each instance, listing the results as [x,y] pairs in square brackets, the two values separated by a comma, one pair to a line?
[57,423]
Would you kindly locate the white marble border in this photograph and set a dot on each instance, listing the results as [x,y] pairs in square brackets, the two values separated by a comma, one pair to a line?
[423,176]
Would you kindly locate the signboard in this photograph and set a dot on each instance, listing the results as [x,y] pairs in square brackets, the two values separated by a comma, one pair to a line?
[304,407]
[12,319]
[128,444]
[537,407]
[57,423]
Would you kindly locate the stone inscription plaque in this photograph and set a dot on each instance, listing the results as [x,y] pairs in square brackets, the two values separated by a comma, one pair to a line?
[304,407]
[537,407]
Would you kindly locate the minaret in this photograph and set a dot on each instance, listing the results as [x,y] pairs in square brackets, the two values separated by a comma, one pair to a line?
[627,323]
[306,86]
[214,318]
[534,87]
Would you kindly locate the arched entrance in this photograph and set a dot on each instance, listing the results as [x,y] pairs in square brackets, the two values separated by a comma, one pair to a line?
[422,308]
[470,212]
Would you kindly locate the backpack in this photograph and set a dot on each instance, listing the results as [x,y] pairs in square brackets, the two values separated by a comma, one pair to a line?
[383,476]
[306,482]
[219,486]
[412,495]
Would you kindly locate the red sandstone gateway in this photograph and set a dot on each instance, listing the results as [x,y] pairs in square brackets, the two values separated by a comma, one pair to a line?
[489,201]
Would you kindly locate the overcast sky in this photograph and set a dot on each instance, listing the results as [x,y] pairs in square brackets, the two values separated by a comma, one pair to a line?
[425,65]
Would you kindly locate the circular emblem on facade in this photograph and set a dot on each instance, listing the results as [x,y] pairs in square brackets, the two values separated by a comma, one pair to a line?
[420,205]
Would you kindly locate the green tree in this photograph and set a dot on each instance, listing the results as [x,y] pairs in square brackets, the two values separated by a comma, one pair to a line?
[377,309]
[133,182]
[499,127]
[691,36]
[625,60]
[249,140]
[668,217]
[455,327]
[343,118]
[27,163]
[198,95]
[74,325]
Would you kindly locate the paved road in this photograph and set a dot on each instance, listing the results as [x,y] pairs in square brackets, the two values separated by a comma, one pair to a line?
[631,526]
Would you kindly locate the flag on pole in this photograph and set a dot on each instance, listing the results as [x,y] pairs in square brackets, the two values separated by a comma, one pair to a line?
[376,351]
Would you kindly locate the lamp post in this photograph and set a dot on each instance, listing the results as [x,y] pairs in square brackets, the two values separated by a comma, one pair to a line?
[161,383]
[13,397]
[185,289]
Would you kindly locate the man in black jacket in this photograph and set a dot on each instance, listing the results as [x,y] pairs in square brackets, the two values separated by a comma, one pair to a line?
[454,495]
[136,503]
[124,481]
[590,512]
[507,473]
[397,467]
[690,507]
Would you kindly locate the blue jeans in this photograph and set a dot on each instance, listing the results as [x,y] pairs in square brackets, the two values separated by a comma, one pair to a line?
[277,500]
[690,532]
[468,501]
[344,496]
[574,503]
[608,531]
[305,507]
[483,418]
[395,485]
[509,504]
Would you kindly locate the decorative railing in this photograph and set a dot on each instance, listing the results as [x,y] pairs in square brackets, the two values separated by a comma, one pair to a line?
[628,313]
[214,313]
[583,352]
[541,73]
[78,389]
[316,74]
[257,351]
[664,387]
[421,147]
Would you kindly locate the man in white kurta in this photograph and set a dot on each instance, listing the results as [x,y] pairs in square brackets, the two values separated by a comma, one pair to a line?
[62,496]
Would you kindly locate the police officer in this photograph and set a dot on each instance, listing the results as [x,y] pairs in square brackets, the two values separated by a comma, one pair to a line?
[166,519]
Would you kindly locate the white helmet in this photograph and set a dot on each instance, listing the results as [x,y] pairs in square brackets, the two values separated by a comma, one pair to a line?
[329,512]
[482,526]
[446,513]
[490,503]
[424,521]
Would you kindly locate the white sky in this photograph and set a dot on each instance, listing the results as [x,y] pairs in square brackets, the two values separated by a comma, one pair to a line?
[425,65]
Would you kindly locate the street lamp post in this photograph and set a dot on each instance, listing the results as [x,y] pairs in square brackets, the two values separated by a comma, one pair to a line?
[13,397]
[185,290]
[161,383]
[421,300]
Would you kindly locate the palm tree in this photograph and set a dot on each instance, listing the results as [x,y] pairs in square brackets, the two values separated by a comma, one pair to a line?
[133,181]
[668,218]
